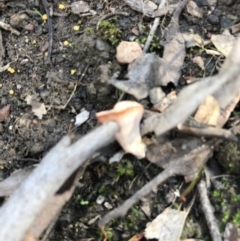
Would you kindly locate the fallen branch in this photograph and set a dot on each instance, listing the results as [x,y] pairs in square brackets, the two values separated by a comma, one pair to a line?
[208,212]
[21,209]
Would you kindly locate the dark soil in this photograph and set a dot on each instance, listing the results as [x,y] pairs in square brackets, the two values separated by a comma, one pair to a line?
[25,138]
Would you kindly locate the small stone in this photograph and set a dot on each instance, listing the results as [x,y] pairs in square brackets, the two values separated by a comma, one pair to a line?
[103,71]
[128,51]
[29,27]
[100,199]
[44,30]
[213,19]
[16,20]
[101,45]
[135,31]
[24,61]
[39,30]
[226,22]
[80,7]
[59,58]
[108,205]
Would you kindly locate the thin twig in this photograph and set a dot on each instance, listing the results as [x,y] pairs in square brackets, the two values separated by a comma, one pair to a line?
[50,30]
[153,29]
[208,212]
[9,28]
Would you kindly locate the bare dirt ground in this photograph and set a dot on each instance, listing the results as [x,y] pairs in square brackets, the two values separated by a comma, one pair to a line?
[80,63]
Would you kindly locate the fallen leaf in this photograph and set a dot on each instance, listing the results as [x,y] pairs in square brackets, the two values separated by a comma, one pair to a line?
[166,226]
[199,61]
[163,155]
[142,76]
[38,108]
[193,9]
[212,4]
[4,113]
[208,112]
[223,42]
[174,50]
[192,40]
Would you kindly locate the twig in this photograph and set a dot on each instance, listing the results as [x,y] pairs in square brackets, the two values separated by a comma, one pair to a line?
[108,16]
[153,29]
[122,210]
[9,28]
[50,30]
[47,178]
[63,107]
[181,166]
[208,212]
[207,131]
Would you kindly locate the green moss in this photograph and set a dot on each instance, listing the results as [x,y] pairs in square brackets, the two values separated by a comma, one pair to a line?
[229,158]
[236,218]
[225,217]
[125,169]
[154,47]
[110,32]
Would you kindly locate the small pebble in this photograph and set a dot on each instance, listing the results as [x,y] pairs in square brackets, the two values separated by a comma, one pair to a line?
[100,199]
[29,27]
[108,205]
[24,61]
[213,19]
[128,51]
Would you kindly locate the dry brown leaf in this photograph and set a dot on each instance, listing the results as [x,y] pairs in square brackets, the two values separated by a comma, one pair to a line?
[208,112]
[199,61]
[150,9]
[174,50]
[192,40]
[4,113]
[142,76]
[38,108]
[223,42]
[193,9]
[163,155]
[166,226]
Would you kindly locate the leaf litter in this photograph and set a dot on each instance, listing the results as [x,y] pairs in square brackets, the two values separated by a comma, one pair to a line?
[181,156]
